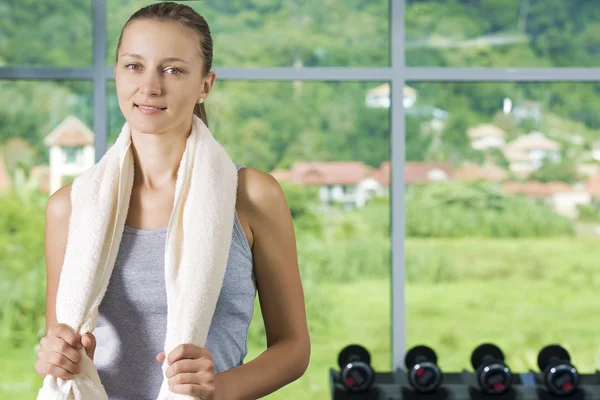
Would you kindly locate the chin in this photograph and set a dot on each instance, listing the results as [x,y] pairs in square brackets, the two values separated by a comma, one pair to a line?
[146,128]
[146,125]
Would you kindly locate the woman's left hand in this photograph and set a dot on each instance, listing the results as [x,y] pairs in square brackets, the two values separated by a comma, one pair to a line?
[191,371]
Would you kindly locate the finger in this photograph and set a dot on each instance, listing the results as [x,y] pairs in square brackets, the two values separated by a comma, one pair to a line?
[67,334]
[89,342]
[59,346]
[183,366]
[189,389]
[185,351]
[61,361]
[184,378]
[47,368]
[160,357]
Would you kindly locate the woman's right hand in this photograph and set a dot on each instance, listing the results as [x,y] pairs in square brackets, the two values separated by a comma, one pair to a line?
[59,352]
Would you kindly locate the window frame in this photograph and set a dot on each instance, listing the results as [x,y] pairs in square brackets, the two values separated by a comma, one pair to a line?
[397,73]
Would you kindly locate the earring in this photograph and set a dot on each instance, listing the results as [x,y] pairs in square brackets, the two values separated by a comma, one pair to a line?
[201,100]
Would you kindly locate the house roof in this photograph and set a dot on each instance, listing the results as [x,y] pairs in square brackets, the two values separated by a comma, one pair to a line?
[535,141]
[324,173]
[487,172]
[518,149]
[70,132]
[354,172]
[537,189]
[484,130]
[383,173]
[420,172]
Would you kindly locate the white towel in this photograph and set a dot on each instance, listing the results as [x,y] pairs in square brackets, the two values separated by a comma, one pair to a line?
[197,249]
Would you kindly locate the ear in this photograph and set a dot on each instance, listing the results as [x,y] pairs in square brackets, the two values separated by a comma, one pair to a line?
[208,83]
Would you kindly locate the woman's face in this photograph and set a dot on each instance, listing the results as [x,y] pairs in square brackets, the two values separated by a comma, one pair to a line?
[159,76]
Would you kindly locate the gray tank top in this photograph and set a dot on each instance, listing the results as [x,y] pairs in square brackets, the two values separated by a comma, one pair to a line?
[132,319]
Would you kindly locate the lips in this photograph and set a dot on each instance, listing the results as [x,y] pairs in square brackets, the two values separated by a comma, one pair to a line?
[150,107]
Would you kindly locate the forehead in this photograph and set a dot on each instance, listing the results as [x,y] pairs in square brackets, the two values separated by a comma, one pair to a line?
[159,39]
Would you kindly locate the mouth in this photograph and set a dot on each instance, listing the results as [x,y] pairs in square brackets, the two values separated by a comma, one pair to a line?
[149,108]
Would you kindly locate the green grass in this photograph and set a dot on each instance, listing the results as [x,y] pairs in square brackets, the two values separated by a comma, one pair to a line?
[361,314]
[19,380]
[519,293]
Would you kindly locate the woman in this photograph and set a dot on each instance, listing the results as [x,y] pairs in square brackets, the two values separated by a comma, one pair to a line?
[163,77]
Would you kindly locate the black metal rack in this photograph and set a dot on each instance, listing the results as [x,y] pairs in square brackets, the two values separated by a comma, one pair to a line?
[463,385]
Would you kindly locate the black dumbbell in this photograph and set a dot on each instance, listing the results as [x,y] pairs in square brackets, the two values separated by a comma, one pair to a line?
[356,373]
[560,376]
[493,375]
[424,375]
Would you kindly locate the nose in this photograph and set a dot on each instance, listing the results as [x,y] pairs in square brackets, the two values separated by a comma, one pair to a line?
[150,85]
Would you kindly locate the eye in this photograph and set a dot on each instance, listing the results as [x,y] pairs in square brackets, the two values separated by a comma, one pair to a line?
[174,71]
[132,67]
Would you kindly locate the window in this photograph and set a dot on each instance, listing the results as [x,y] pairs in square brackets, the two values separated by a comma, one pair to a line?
[509,33]
[35,117]
[504,250]
[310,33]
[304,92]
[316,138]
[39,33]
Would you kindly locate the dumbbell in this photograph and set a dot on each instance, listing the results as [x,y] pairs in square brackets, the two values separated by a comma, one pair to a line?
[560,376]
[492,374]
[424,375]
[356,373]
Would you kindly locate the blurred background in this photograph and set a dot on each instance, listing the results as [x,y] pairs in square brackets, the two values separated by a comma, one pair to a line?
[465,210]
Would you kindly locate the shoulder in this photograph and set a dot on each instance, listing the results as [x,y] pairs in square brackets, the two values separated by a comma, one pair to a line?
[58,206]
[259,193]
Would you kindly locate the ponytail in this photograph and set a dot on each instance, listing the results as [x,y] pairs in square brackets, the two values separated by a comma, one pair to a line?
[200,111]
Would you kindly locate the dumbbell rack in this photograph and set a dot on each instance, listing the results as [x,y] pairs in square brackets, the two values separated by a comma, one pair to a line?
[463,385]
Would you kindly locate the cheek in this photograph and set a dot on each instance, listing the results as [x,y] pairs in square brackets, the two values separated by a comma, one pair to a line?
[184,95]
[125,87]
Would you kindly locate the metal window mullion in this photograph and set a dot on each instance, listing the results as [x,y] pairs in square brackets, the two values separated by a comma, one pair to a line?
[397,134]
[421,74]
[298,74]
[47,73]
[99,77]
[448,74]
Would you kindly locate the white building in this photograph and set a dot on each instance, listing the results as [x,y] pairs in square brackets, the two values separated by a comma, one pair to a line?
[71,146]
[527,153]
[379,97]
[486,136]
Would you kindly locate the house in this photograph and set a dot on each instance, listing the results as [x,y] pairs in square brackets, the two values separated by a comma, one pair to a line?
[41,174]
[379,97]
[486,136]
[596,150]
[587,170]
[593,186]
[528,152]
[346,182]
[563,198]
[71,146]
[528,110]
[5,180]
[353,183]
[436,118]
[426,172]
[487,172]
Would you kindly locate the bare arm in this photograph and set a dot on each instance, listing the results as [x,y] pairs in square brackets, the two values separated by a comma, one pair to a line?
[280,294]
[59,348]
[58,211]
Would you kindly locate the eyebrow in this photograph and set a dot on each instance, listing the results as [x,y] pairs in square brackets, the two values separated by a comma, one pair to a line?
[168,59]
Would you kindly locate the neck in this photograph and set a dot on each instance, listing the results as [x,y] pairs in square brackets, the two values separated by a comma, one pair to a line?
[157,157]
